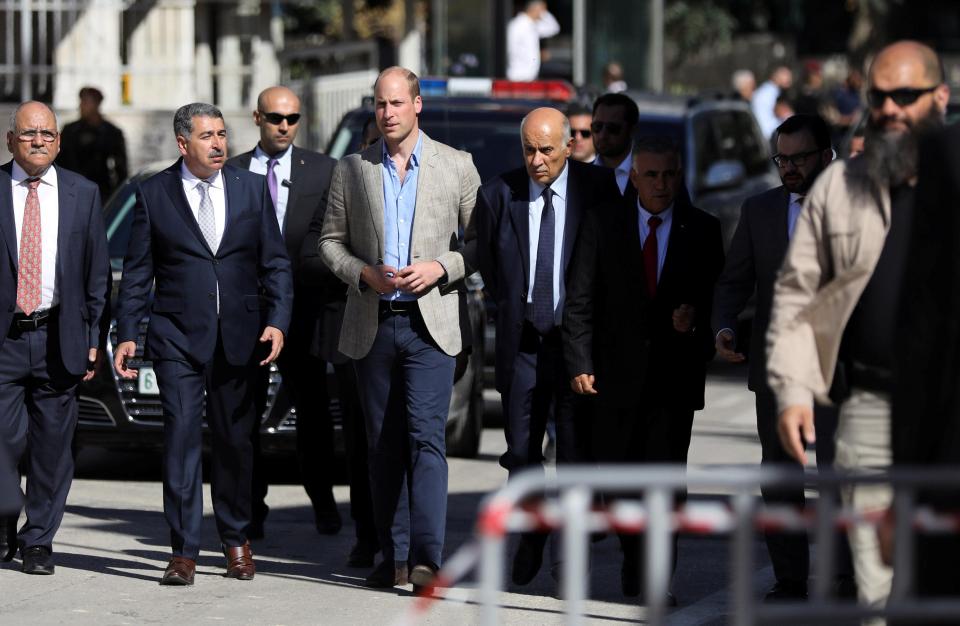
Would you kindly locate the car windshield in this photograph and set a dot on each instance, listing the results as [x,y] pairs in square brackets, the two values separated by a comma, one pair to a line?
[491,136]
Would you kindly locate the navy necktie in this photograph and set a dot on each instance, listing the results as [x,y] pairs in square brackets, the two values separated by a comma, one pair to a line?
[543,275]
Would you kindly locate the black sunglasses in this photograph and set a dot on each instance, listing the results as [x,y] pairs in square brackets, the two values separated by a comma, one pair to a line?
[613,128]
[583,132]
[276,119]
[797,159]
[902,97]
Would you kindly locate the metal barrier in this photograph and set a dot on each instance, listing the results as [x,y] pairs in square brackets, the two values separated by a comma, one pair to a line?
[565,502]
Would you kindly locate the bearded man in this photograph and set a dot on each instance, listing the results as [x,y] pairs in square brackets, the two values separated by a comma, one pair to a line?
[835,299]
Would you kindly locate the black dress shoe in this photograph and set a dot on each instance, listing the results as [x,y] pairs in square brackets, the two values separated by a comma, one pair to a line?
[362,553]
[786,591]
[38,560]
[388,574]
[328,522]
[528,559]
[8,538]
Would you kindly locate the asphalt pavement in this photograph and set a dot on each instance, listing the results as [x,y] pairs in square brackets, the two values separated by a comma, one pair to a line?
[113,546]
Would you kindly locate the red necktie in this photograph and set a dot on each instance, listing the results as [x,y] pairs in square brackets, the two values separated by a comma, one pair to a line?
[650,256]
[31,253]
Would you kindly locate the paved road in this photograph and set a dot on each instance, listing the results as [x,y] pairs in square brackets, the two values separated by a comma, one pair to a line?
[113,546]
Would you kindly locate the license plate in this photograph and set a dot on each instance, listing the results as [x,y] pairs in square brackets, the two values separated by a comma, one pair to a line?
[147,382]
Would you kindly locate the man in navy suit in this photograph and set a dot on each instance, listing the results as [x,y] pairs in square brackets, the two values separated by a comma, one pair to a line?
[527,221]
[208,235]
[53,292]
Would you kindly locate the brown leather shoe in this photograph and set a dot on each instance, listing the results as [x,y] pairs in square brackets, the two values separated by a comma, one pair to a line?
[239,562]
[388,574]
[179,571]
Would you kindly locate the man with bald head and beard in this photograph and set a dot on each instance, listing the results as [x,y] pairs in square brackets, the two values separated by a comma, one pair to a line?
[527,222]
[297,181]
[833,321]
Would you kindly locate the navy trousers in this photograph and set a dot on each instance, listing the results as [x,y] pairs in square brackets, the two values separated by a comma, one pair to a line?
[38,416]
[405,384]
[230,415]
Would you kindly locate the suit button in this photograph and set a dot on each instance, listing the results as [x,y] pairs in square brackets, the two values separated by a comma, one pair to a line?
[212,296]
[524,295]
[216,261]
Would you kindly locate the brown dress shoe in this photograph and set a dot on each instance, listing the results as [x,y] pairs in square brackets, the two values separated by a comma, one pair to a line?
[179,571]
[239,562]
[388,574]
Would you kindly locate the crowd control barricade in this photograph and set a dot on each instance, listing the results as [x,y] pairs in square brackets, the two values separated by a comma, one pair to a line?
[566,502]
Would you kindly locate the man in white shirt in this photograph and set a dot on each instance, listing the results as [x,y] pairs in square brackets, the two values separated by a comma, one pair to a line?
[53,294]
[615,117]
[524,33]
[765,99]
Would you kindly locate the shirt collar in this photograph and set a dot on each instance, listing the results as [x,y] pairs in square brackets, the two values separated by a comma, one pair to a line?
[664,215]
[414,158]
[19,176]
[558,186]
[263,157]
[624,165]
[796,198]
[188,177]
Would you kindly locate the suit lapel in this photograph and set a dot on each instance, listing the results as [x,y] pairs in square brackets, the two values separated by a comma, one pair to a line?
[7,223]
[297,171]
[519,209]
[67,201]
[575,202]
[783,221]
[173,186]
[371,165]
[231,183]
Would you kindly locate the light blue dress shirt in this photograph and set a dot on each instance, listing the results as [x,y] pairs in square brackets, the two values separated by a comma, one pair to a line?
[258,165]
[663,232]
[399,204]
[534,215]
[793,212]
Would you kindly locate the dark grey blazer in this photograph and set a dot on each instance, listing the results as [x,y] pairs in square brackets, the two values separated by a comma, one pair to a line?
[756,253]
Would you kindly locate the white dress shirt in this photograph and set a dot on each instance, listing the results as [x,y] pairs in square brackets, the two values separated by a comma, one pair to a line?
[217,197]
[47,193]
[258,165]
[523,44]
[793,212]
[622,171]
[534,214]
[663,232]
[763,102]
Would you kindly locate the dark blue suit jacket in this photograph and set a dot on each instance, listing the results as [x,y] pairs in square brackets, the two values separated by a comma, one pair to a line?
[503,236]
[166,246]
[83,265]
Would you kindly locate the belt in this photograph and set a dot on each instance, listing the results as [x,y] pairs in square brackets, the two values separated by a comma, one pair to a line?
[869,377]
[24,323]
[398,307]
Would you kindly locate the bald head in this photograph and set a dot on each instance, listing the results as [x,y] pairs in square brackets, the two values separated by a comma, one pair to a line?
[278,117]
[546,141]
[909,56]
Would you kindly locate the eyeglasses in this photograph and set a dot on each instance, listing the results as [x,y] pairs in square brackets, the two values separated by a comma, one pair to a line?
[27,136]
[902,97]
[798,159]
[276,119]
[583,132]
[613,128]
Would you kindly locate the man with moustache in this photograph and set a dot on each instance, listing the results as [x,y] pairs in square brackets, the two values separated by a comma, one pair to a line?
[767,221]
[529,218]
[205,240]
[640,345]
[297,180]
[615,117]
[397,232]
[53,293]
[580,118]
[835,299]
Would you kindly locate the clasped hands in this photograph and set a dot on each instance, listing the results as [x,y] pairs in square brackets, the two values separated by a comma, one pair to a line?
[415,278]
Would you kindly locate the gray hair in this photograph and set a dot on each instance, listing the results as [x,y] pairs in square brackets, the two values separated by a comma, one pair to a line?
[183,118]
[565,133]
[12,126]
[742,78]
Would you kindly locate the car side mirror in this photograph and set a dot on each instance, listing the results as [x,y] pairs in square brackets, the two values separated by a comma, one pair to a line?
[725,173]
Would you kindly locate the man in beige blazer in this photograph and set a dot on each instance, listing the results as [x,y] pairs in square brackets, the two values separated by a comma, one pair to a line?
[396,232]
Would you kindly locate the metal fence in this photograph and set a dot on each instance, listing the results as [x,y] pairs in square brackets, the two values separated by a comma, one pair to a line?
[327,98]
[565,502]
